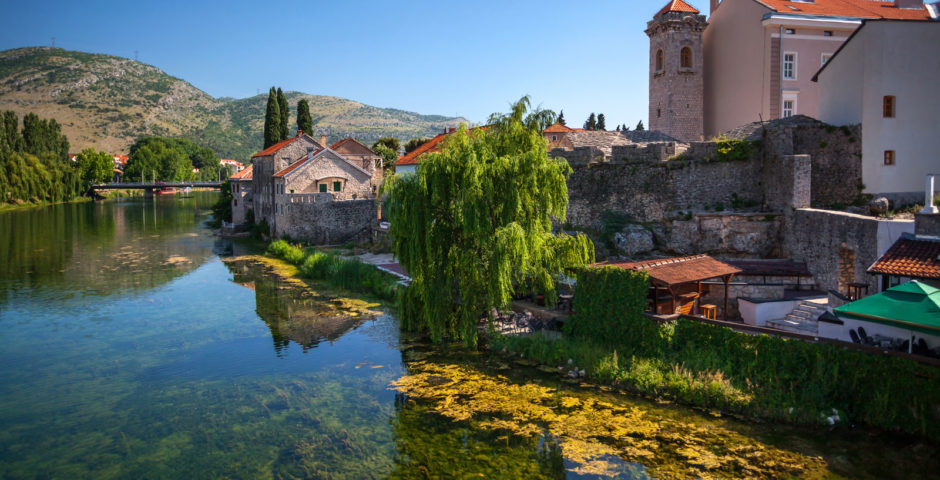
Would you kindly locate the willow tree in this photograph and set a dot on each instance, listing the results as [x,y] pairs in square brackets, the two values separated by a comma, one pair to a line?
[475,222]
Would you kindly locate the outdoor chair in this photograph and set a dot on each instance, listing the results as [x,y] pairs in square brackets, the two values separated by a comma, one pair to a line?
[865,338]
[904,346]
[854,336]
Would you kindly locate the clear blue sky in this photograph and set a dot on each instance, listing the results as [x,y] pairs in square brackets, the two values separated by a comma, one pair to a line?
[432,57]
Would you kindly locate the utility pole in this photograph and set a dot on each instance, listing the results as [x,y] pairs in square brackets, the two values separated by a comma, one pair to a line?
[53,42]
[135,56]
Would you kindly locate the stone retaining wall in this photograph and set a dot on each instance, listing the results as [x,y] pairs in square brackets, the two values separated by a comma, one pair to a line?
[320,220]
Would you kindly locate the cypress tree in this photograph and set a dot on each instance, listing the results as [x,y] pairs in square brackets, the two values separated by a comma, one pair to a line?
[618,127]
[285,113]
[304,120]
[591,123]
[561,118]
[272,120]
[601,123]
[640,127]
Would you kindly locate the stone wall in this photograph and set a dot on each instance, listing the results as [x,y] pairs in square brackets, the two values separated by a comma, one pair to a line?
[655,181]
[927,224]
[727,235]
[676,99]
[837,247]
[326,168]
[317,219]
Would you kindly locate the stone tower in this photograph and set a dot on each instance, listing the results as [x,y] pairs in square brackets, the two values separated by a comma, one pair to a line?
[676,80]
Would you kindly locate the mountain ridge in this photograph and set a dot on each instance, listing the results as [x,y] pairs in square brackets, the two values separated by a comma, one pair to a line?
[106,102]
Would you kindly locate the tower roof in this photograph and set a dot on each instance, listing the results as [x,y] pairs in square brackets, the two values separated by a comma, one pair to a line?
[678,6]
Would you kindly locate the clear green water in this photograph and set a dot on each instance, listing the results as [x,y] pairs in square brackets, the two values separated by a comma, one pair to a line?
[131,350]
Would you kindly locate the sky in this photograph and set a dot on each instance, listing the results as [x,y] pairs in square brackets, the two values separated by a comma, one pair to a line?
[443,57]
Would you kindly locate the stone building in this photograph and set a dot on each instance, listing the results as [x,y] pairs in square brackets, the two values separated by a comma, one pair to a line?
[311,192]
[241,184]
[676,98]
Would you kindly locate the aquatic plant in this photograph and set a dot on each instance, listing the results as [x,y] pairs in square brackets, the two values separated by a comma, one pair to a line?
[346,273]
[596,435]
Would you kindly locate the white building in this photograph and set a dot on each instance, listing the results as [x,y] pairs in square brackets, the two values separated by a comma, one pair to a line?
[885,76]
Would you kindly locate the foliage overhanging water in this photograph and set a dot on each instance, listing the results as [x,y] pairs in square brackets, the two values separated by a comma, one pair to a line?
[131,349]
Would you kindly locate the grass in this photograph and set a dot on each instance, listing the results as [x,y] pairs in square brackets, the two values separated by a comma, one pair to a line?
[757,376]
[346,273]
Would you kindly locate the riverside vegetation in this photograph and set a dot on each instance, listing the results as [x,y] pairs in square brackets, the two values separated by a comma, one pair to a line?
[346,273]
[717,368]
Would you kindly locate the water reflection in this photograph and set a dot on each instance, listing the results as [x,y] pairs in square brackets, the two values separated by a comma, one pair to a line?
[292,310]
[99,248]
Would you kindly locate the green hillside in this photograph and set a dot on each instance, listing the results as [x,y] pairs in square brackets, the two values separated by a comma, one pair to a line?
[106,102]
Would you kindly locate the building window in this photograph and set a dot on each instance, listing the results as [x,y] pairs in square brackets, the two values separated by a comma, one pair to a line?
[686,57]
[659,60]
[336,186]
[322,188]
[827,33]
[889,104]
[659,112]
[790,31]
[235,201]
[554,137]
[889,157]
[825,59]
[789,105]
[789,66]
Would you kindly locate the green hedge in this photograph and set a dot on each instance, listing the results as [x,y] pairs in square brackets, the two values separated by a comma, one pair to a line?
[345,273]
[716,367]
[609,308]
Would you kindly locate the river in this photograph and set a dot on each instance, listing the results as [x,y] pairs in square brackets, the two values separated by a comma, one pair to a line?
[137,345]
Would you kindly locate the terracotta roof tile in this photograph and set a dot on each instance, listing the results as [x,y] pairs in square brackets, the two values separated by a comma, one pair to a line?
[848,8]
[559,128]
[295,165]
[243,174]
[678,270]
[336,146]
[678,6]
[910,257]
[277,146]
[432,145]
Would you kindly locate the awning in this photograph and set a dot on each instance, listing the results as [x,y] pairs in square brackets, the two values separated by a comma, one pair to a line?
[913,305]
[678,270]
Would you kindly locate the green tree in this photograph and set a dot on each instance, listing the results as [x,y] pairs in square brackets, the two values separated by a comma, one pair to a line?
[155,157]
[476,220]
[285,114]
[388,155]
[95,167]
[44,138]
[390,142]
[618,127]
[414,143]
[601,123]
[640,127]
[591,122]
[304,120]
[272,120]
[561,118]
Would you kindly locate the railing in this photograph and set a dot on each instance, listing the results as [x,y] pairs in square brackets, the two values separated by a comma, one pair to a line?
[143,185]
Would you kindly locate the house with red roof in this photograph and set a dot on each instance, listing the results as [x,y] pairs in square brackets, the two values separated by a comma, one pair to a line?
[760,55]
[310,191]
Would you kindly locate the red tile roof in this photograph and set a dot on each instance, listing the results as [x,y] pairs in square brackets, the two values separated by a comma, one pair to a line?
[243,174]
[848,8]
[295,165]
[678,6]
[678,270]
[559,128]
[910,257]
[277,146]
[432,145]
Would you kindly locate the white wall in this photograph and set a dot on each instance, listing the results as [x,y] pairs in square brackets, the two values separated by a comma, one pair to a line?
[889,58]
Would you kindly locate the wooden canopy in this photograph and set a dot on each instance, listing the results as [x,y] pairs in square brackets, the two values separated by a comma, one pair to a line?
[670,273]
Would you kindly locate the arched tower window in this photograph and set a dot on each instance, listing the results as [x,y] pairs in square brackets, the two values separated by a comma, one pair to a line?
[659,60]
[686,57]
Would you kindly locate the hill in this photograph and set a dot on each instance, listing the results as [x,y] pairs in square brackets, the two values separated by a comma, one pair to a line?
[106,102]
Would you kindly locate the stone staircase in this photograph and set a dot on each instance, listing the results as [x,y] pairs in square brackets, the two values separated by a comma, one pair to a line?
[803,319]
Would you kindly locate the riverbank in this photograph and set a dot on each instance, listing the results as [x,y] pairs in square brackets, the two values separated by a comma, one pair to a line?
[6,207]
[346,273]
[754,377]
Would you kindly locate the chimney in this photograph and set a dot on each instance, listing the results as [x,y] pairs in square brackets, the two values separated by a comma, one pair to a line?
[934,10]
[299,132]
[929,194]
[451,129]
[323,141]
[910,4]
